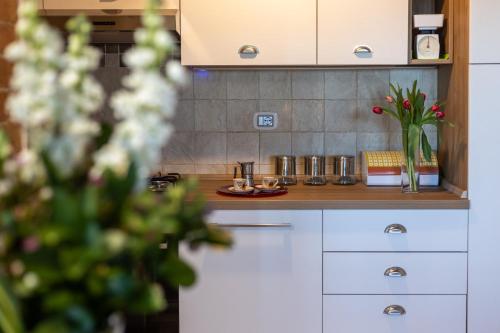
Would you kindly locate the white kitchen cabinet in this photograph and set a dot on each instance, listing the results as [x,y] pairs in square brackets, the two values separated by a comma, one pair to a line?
[269,282]
[242,32]
[484,31]
[409,314]
[484,184]
[104,7]
[395,230]
[361,32]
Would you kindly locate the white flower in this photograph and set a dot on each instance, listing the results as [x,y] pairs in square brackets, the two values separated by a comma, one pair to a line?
[177,73]
[140,58]
[111,157]
[163,40]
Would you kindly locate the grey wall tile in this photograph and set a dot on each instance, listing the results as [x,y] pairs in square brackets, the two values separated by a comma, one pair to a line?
[210,115]
[373,84]
[308,84]
[430,82]
[184,116]
[210,84]
[284,110]
[340,143]
[240,115]
[372,141]
[210,148]
[308,115]
[341,115]
[275,85]
[405,78]
[187,92]
[183,169]
[242,85]
[273,144]
[340,84]
[308,143]
[210,169]
[368,121]
[180,149]
[242,147]
[395,141]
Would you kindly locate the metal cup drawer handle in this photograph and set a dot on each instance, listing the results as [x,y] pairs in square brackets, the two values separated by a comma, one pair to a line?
[395,229]
[395,272]
[395,310]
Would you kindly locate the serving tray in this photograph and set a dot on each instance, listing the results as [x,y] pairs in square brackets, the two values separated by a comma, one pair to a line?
[255,194]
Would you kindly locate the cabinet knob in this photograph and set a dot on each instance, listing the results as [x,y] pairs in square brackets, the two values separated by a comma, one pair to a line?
[363,50]
[248,51]
[395,310]
[395,229]
[395,272]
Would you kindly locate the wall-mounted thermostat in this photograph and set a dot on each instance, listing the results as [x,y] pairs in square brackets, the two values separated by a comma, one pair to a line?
[265,120]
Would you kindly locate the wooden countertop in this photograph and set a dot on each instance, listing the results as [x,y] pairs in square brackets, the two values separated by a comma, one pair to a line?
[335,197]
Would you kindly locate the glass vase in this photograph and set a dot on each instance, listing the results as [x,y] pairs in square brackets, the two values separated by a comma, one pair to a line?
[410,163]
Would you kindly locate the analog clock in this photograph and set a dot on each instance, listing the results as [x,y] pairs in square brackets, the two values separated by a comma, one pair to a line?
[428,46]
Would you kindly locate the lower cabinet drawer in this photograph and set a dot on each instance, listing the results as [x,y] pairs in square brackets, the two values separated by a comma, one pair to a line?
[401,314]
[395,273]
[395,230]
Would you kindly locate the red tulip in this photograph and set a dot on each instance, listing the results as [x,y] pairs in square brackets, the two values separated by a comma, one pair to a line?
[377,110]
[435,108]
[389,99]
[424,96]
[407,104]
[440,115]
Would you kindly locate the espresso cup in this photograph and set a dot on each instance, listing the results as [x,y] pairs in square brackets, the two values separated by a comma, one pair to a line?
[239,184]
[269,182]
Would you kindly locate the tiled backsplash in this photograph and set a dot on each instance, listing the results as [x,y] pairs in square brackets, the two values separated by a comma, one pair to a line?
[319,111]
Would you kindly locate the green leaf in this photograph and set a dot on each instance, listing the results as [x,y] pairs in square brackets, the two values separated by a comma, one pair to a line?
[9,316]
[413,139]
[426,147]
[177,272]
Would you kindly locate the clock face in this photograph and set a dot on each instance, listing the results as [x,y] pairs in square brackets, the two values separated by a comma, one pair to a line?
[428,47]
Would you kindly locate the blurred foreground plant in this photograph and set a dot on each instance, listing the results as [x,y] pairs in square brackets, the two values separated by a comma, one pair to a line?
[79,233]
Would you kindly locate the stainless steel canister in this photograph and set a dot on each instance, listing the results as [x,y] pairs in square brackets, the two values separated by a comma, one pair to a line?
[286,170]
[343,170]
[315,170]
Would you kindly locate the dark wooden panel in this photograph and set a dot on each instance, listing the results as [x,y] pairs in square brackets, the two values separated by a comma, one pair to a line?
[453,87]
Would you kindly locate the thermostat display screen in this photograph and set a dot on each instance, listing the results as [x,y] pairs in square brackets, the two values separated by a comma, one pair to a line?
[265,120]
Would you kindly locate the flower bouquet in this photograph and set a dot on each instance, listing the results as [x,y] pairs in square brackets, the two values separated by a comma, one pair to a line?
[79,232]
[413,116]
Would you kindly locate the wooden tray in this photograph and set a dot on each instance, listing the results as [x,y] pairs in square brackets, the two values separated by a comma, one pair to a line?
[224,190]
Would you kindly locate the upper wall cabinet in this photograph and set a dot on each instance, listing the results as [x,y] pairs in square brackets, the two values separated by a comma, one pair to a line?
[484,28]
[363,32]
[105,7]
[248,33]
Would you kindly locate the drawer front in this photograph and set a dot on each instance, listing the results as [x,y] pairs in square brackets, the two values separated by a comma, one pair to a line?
[362,314]
[395,230]
[395,273]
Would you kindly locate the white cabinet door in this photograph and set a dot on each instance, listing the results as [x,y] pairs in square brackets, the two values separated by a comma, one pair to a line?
[362,32]
[283,32]
[485,31]
[484,229]
[269,282]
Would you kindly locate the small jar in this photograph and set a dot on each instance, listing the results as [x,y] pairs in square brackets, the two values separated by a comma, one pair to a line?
[286,170]
[314,167]
[343,170]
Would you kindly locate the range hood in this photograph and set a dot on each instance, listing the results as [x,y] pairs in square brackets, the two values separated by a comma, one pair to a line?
[104,7]
[108,15]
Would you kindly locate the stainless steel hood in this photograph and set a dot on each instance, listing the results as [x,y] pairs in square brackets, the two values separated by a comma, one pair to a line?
[108,15]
